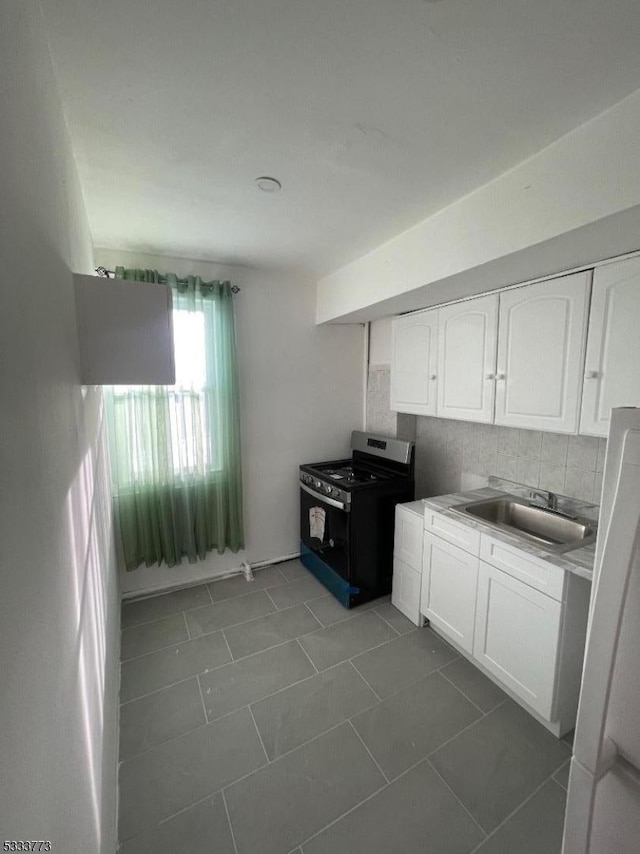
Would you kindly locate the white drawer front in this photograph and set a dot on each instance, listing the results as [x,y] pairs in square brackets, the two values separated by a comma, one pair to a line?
[405,594]
[456,533]
[539,574]
[407,544]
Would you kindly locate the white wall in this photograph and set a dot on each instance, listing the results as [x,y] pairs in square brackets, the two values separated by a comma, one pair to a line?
[380,341]
[301,395]
[575,202]
[59,610]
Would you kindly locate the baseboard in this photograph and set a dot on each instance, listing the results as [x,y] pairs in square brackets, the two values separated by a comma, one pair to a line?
[148,592]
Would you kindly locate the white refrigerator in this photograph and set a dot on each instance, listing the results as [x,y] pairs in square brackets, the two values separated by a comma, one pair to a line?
[603,804]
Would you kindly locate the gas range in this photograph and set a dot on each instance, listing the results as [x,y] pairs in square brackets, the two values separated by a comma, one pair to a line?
[339,479]
[347,510]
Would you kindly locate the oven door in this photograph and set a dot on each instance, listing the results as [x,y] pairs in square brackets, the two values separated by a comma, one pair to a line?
[325,540]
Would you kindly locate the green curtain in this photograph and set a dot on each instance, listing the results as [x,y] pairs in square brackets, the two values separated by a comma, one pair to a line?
[175,450]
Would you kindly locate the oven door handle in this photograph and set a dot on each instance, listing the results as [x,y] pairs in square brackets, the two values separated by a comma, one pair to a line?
[331,501]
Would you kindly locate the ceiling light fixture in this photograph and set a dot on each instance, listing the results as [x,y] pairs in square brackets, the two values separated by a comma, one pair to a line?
[267,184]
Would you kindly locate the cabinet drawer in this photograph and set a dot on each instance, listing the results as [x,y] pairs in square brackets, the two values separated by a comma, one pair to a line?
[405,594]
[407,542]
[539,574]
[453,532]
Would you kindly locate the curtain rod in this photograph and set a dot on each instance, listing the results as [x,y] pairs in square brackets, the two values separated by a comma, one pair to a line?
[106,274]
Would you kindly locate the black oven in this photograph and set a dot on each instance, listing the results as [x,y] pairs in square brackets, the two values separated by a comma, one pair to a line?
[325,532]
[347,510]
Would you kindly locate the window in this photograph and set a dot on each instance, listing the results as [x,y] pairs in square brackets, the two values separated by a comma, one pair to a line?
[175,450]
[189,438]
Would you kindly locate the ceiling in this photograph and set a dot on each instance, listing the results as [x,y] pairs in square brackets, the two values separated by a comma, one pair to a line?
[373,114]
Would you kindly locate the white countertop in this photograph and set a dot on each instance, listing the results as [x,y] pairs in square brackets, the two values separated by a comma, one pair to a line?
[578,561]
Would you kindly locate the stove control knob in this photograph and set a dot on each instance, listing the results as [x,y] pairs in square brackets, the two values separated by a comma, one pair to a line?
[318,484]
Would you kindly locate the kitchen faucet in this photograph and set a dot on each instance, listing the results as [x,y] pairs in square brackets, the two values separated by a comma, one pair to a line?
[547,499]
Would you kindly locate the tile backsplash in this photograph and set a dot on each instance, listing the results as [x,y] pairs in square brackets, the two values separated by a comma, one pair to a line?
[380,419]
[456,455]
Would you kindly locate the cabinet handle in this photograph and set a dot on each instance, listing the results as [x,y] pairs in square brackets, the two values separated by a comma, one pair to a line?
[501,376]
[432,376]
[591,375]
[489,376]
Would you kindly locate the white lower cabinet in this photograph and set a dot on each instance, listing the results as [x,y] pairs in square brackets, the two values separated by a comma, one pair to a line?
[449,582]
[517,634]
[407,540]
[519,618]
[405,594]
[407,560]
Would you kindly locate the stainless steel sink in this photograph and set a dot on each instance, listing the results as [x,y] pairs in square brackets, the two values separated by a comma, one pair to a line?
[550,529]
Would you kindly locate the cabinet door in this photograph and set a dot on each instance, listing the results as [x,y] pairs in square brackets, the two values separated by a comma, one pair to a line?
[405,593]
[466,359]
[516,637]
[125,331]
[541,339]
[414,351]
[449,583]
[612,365]
[407,541]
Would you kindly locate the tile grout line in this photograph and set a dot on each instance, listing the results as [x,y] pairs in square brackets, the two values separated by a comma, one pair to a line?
[425,759]
[285,580]
[213,631]
[519,807]
[350,613]
[186,625]
[226,643]
[271,600]
[282,756]
[275,646]
[375,693]
[375,761]
[460,691]
[277,610]
[181,811]
[386,622]
[343,815]
[559,784]
[218,667]
[297,640]
[469,726]
[204,707]
[208,721]
[473,819]
[226,809]
[153,651]
[369,797]
[264,749]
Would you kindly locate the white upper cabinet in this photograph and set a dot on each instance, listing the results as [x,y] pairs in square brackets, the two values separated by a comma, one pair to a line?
[541,339]
[125,332]
[612,365]
[414,351]
[467,333]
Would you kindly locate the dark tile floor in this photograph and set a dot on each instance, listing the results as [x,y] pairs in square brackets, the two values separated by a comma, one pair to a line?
[263,718]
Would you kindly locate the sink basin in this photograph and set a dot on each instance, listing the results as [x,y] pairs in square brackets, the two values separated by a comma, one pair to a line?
[548,528]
